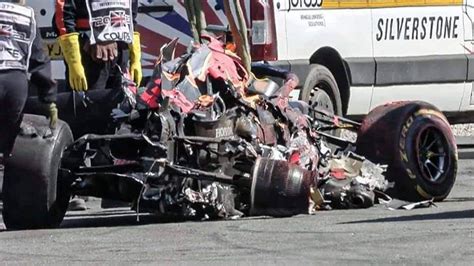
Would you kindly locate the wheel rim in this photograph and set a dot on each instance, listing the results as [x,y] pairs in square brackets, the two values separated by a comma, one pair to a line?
[432,154]
[320,99]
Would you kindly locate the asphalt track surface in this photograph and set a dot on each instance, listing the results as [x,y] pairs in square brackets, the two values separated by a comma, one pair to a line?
[442,235]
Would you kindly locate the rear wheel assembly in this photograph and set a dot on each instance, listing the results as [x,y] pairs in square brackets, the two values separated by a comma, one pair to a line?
[35,195]
[416,142]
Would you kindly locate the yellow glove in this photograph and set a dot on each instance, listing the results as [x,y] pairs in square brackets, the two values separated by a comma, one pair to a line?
[72,54]
[135,59]
[53,115]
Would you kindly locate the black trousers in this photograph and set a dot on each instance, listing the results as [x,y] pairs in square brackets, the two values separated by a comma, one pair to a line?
[13,95]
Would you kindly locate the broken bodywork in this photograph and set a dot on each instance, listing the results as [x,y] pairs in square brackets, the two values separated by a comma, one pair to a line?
[204,134]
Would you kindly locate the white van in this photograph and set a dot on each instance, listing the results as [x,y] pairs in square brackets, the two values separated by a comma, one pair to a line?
[350,55]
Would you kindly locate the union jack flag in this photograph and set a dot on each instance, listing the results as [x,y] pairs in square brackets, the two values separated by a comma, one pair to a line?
[119,19]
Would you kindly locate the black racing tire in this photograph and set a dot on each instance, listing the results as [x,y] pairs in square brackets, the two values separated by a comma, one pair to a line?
[321,91]
[34,194]
[416,142]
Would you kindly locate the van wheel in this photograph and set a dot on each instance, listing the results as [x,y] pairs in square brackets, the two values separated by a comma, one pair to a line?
[320,91]
[34,195]
[416,142]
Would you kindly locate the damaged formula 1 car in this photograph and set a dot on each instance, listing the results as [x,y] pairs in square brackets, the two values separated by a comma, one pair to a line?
[206,140]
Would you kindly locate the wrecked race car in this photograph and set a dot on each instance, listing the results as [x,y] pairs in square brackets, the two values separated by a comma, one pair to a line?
[205,140]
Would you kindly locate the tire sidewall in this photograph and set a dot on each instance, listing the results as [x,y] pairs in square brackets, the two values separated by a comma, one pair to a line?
[59,186]
[409,153]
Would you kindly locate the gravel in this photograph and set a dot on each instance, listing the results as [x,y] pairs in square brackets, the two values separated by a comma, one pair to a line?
[463,130]
[459,130]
